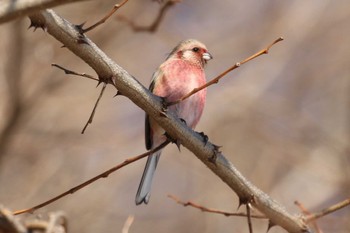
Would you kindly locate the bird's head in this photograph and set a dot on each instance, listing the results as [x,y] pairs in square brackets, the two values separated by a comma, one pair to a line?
[192,51]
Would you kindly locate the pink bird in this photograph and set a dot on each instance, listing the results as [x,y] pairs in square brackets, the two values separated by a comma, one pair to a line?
[181,72]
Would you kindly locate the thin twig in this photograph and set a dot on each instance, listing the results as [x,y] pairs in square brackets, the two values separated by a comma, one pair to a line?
[94,109]
[66,71]
[328,210]
[109,14]
[153,26]
[86,183]
[308,213]
[210,210]
[128,223]
[235,66]
[249,218]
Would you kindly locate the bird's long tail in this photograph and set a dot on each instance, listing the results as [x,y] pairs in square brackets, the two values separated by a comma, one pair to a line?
[144,190]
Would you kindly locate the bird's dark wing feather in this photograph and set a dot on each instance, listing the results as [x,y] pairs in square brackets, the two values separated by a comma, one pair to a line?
[148,133]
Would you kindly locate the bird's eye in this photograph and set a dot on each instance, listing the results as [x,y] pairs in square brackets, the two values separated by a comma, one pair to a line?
[195,49]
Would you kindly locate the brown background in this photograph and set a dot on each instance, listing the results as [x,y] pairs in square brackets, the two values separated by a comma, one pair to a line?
[282,119]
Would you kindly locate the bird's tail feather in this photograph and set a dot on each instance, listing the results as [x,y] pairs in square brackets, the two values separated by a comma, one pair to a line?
[144,190]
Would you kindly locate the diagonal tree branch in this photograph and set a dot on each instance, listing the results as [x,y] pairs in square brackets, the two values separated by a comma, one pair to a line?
[108,71]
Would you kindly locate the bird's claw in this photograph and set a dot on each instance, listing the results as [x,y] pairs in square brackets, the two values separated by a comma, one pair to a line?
[216,151]
[164,107]
[176,141]
[204,137]
[183,121]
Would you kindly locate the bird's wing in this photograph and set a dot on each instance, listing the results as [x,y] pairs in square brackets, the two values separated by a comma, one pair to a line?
[148,132]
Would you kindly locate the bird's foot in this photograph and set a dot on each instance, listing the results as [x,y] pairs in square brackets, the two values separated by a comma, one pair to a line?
[164,106]
[216,152]
[205,138]
[171,139]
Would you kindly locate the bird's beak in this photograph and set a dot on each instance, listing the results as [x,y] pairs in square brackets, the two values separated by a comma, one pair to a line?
[207,56]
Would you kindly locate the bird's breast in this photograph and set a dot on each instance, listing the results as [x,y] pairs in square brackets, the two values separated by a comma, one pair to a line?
[178,79]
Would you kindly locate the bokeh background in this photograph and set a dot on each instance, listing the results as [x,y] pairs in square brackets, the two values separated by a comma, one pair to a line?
[282,119]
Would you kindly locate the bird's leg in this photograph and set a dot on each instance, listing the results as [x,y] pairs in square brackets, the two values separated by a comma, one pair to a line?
[183,121]
[164,106]
[216,151]
[176,141]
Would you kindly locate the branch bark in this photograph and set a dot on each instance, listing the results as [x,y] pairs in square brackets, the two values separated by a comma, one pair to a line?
[108,71]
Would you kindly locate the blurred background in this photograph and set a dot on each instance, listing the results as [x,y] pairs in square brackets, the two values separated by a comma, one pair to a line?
[283,119]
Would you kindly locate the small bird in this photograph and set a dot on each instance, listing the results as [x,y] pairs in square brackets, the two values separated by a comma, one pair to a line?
[182,71]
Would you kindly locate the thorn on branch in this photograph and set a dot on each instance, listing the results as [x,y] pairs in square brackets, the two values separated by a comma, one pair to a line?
[79,28]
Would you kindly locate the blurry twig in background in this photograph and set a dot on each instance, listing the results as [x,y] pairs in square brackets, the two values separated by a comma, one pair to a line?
[20,100]
[55,223]
[153,26]
[10,9]
[86,183]
[235,66]
[306,212]
[128,223]
[95,107]
[210,210]
[109,14]
[331,209]
[9,223]
[13,73]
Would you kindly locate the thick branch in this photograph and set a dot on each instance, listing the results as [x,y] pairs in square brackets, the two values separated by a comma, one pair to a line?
[112,73]
[10,9]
